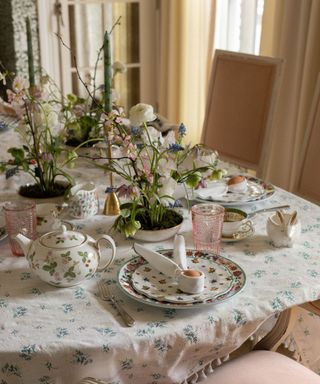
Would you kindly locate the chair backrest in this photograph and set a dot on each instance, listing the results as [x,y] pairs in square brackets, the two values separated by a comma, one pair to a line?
[240,103]
[308,184]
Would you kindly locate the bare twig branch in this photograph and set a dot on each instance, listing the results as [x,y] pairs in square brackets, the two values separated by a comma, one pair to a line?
[117,22]
[76,66]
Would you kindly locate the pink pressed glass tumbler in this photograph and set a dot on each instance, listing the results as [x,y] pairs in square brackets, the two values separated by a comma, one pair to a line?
[207,221]
[20,217]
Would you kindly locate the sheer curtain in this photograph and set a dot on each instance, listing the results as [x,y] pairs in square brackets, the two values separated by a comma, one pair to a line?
[291,30]
[186,47]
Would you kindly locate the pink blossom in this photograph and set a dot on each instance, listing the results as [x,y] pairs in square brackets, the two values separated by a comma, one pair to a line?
[19,84]
[125,191]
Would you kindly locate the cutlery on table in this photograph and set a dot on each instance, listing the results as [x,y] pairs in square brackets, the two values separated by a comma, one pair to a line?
[270,209]
[107,295]
[91,380]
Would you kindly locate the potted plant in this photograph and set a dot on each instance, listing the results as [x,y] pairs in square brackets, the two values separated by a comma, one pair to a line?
[41,155]
[81,116]
[151,166]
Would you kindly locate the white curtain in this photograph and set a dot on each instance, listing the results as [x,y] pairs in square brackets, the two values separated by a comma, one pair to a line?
[186,45]
[291,30]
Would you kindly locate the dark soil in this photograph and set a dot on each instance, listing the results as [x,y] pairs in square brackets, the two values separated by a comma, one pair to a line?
[171,218]
[74,143]
[33,190]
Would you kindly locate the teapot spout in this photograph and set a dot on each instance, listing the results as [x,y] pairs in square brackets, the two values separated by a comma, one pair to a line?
[24,243]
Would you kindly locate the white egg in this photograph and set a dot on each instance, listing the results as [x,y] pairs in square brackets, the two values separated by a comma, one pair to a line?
[238,184]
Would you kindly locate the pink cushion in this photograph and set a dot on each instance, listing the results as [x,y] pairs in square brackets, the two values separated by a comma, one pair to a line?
[262,367]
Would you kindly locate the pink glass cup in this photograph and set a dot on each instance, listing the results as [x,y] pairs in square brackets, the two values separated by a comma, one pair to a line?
[20,217]
[207,222]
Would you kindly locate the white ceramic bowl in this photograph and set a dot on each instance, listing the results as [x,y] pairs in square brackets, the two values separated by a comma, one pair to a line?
[156,235]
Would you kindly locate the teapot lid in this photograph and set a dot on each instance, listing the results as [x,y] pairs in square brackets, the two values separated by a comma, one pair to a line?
[63,238]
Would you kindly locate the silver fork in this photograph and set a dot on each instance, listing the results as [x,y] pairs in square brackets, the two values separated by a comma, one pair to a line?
[106,294]
[91,380]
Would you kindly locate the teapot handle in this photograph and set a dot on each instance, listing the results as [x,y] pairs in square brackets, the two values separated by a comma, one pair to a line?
[110,241]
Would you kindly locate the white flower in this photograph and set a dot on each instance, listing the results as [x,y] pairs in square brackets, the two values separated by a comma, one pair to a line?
[119,67]
[151,134]
[141,113]
[169,139]
[206,159]
[165,166]
[168,188]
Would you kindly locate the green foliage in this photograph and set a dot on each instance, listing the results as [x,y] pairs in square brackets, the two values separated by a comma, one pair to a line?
[42,155]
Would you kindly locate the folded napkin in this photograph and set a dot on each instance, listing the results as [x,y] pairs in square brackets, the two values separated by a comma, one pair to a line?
[214,190]
[156,260]
[179,251]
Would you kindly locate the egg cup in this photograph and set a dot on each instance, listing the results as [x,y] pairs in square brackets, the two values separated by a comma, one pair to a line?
[191,281]
[238,184]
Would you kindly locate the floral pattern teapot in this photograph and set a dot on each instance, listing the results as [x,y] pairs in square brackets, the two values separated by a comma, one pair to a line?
[64,258]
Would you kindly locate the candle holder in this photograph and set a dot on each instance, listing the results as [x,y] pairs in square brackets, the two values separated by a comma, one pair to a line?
[111,204]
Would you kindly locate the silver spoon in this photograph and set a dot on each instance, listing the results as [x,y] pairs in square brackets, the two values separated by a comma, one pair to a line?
[268,210]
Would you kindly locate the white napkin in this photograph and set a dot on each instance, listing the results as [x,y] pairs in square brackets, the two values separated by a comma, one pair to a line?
[156,260]
[214,190]
[179,251]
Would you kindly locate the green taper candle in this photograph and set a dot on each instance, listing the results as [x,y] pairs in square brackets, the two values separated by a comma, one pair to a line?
[107,74]
[30,53]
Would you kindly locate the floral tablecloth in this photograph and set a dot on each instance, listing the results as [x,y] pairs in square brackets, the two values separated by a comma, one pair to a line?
[59,335]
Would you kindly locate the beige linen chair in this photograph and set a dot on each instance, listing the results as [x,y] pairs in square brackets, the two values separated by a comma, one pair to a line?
[309,180]
[240,103]
[263,365]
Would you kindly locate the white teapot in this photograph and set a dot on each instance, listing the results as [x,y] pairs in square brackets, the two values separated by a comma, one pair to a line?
[64,258]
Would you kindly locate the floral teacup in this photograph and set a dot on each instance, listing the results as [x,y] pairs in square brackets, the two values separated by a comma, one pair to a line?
[235,220]
[83,201]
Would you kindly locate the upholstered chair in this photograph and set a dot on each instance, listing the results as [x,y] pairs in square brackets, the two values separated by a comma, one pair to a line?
[241,98]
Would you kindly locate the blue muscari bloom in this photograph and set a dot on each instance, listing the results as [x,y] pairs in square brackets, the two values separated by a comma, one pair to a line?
[175,147]
[110,189]
[3,125]
[182,129]
[135,131]
[176,204]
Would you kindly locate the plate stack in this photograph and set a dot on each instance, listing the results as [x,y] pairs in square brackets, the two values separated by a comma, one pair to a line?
[223,279]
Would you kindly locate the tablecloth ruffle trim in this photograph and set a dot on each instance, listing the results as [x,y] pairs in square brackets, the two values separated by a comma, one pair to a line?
[206,371]
[203,373]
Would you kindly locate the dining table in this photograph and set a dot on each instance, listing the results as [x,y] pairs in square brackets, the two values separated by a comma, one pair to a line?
[54,335]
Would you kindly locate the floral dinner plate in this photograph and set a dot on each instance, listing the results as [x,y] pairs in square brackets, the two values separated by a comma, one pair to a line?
[125,276]
[154,284]
[257,190]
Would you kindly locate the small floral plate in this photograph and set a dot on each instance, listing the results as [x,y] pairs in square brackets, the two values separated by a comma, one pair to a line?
[194,257]
[154,284]
[244,233]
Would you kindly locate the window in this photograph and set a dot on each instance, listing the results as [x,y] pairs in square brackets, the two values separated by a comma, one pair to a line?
[81,25]
[238,25]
